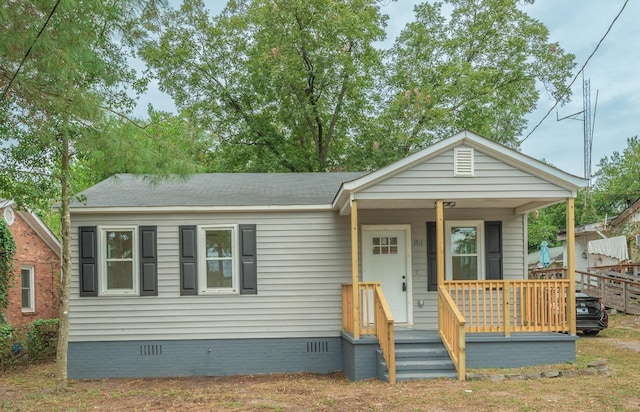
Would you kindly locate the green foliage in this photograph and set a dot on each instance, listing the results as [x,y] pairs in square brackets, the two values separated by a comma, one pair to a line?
[38,339]
[617,180]
[7,253]
[7,339]
[41,337]
[287,100]
[467,64]
[312,90]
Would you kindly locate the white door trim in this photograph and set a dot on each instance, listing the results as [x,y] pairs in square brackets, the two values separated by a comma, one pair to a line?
[409,277]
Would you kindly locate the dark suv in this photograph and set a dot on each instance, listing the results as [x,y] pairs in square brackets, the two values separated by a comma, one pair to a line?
[591,316]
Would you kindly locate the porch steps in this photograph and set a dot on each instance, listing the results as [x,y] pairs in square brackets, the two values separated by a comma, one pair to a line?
[418,359]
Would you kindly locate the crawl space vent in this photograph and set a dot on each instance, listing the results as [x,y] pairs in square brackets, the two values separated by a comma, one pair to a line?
[317,346]
[150,350]
[463,161]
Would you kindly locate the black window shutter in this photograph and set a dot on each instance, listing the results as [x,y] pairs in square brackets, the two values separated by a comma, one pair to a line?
[148,261]
[432,257]
[188,260]
[493,250]
[248,260]
[88,261]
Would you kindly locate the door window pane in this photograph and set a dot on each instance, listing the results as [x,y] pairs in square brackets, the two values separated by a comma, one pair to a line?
[385,245]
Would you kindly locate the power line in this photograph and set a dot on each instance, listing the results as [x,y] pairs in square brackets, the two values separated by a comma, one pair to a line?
[578,73]
[6,89]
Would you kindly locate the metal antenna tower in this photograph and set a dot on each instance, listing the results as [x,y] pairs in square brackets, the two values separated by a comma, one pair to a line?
[588,122]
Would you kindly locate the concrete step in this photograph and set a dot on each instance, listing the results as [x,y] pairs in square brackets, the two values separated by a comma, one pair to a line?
[423,364]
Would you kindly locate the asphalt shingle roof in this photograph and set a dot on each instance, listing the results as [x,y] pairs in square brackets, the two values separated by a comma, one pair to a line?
[217,189]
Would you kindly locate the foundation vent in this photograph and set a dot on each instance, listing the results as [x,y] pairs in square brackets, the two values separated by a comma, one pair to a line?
[150,350]
[317,347]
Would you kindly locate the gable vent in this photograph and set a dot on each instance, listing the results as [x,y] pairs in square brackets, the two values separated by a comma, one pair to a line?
[463,161]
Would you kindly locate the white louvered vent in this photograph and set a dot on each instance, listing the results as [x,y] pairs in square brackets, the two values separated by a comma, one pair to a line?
[463,161]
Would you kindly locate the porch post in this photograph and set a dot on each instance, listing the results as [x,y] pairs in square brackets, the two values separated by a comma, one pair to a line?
[440,241]
[354,269]
[571,265]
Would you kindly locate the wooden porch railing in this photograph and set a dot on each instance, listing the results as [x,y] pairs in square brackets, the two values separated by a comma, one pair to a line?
[512,305]
[452,331]
[375,319]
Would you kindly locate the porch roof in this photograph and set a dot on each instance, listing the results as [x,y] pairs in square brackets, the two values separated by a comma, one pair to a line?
[505,179]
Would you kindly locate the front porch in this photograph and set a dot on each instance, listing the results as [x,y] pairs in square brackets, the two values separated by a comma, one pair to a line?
[526,322]
[444,232]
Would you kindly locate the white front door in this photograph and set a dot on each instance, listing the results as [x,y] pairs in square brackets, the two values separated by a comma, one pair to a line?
[386,259]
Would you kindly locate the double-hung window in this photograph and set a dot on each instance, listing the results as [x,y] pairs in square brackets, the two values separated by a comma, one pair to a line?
[117,248]
[464,242]
[27,284]
[218,259]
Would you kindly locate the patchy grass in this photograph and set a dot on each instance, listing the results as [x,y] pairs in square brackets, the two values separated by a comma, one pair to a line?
[32,388]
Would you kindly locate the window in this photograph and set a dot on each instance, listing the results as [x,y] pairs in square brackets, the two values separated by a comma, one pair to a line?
[464,244]
[385,245]
[26,281]
[218,260]
[118,257]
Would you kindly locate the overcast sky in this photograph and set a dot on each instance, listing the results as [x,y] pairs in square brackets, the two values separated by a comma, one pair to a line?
[578,26]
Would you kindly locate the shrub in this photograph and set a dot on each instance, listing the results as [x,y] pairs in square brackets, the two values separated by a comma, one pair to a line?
[41,339]
[7,342]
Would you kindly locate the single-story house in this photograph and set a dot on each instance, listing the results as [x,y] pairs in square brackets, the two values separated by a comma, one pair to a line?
[222,274]
[35,290]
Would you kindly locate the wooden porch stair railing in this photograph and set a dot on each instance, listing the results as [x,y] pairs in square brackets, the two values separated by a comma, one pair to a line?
[372,302]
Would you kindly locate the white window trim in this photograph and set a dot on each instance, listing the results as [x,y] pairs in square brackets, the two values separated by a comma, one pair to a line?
[202,261]
[479,224]
[102,259]
[32,300]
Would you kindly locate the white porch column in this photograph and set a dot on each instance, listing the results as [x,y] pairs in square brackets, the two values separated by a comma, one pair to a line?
[571,265]
[354,269]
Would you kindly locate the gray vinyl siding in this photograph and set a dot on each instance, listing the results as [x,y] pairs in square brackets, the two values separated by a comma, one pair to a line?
[303,259]
[426,317]
[434,179]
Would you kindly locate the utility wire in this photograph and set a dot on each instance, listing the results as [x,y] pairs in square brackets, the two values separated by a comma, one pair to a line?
[578,73]
[6,89]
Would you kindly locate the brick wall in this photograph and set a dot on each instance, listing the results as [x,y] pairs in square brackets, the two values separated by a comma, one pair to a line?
[32,251]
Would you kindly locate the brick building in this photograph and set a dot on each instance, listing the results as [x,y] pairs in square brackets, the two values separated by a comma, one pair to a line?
[34,294]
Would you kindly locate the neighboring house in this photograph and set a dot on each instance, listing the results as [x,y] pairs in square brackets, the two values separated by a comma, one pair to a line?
[224,274]
[34,294]
[583,235]
[627,224]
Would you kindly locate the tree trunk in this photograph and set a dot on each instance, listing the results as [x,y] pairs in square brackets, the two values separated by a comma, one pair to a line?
[63,329]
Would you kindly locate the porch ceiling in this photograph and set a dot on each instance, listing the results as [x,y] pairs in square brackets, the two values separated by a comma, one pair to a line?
[518,205]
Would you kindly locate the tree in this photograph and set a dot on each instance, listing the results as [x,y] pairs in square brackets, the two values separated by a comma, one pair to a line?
[62,105]
[301,85]
[617,180]
[283,83]
[467,64]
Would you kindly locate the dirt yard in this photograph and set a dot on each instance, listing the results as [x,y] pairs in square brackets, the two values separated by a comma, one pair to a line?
[616,387]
